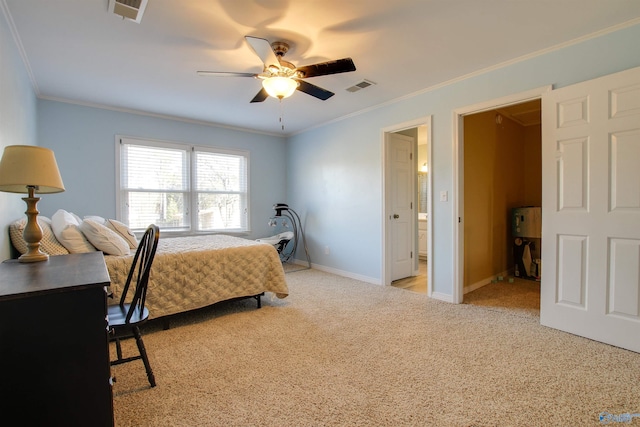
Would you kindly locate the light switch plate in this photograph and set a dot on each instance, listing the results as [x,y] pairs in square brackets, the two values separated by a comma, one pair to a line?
[444,196]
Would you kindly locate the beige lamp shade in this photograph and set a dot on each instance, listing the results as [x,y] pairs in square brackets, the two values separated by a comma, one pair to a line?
[24,166]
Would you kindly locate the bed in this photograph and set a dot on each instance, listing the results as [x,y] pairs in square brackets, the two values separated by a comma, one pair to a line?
[197,271]
[188,272]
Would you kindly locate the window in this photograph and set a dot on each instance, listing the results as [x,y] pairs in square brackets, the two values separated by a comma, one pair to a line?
[182,188]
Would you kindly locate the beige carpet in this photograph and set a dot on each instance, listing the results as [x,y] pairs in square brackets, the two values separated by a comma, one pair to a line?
[522,297]
[338,352]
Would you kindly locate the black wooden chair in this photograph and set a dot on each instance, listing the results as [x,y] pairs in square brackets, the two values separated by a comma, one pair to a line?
[126,317]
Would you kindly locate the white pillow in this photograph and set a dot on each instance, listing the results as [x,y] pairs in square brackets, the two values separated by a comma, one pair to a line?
[123,231]
[49,244]
[66,228]
[105,240]
[96,218]
[76,217]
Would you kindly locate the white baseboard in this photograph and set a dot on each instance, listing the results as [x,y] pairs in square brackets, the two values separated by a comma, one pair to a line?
[337,272]
[442,297]
[374,281]
[484,282]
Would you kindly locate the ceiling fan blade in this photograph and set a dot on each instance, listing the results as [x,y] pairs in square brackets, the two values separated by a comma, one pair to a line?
[260,96]
[225,74]
[314,90]
[263,49]
[330,67]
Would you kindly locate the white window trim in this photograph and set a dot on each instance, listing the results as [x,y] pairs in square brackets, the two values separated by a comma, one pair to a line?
[193,203]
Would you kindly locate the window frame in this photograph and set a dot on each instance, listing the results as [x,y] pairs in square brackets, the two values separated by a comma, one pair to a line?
[191,193]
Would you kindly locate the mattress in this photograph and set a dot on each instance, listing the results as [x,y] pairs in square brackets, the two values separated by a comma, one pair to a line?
[197,271]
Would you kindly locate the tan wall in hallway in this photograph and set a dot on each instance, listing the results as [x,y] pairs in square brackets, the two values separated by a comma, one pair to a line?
[532,166]
[495,181]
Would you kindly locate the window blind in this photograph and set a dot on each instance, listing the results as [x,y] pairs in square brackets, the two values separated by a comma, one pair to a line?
[182,188]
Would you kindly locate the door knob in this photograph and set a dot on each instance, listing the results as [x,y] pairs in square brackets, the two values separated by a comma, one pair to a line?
[396,216]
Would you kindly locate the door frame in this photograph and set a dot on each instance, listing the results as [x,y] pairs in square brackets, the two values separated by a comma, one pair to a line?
[386,257]
[458,175]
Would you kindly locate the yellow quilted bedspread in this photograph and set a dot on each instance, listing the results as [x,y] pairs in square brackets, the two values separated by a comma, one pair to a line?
[197,271]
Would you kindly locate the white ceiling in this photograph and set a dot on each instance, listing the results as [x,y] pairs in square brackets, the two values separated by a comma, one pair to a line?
[77,51]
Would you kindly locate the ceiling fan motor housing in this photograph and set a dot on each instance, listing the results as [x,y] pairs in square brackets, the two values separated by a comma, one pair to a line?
[280,48]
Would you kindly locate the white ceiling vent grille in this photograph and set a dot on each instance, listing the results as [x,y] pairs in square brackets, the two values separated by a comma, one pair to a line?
[362,85]
[128,9]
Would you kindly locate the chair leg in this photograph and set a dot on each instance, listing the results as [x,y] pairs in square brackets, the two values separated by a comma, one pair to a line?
[118,349]
[143,354]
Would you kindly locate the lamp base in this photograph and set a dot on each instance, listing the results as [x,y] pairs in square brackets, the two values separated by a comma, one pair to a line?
[36,256]
[32,232]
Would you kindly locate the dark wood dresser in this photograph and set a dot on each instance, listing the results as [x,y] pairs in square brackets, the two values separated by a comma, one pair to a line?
[54,351]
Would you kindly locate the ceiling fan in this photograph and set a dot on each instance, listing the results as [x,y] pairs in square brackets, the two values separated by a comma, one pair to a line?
[281,78]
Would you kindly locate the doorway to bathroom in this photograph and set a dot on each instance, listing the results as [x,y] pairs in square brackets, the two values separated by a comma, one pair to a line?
[411,240]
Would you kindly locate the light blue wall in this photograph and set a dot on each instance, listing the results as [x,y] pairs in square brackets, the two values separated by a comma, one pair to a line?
[83,139]
[17,123]
[331,175]
[335,171]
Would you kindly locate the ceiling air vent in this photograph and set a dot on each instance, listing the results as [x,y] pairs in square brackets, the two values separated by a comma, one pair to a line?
[128,9]
[362,85]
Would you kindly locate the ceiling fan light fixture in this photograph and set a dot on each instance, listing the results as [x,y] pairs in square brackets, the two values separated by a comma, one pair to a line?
[279,87]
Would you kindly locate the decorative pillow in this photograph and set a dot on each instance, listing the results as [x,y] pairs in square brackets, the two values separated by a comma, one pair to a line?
[76,217]
[124,232]
[105,240]
[67,230]
[49,244]
[95,218]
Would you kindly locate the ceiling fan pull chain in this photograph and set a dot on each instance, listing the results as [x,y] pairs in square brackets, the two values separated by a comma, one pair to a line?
[281,114]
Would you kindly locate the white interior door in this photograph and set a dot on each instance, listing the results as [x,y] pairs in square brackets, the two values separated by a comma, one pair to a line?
[402,218]
[591,209]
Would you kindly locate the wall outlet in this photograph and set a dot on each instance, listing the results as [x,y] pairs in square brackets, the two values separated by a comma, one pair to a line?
[326,250]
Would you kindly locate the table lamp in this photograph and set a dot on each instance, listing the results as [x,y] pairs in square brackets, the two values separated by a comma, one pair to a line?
[30,169]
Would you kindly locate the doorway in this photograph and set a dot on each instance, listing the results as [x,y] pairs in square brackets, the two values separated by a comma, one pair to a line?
[502,172]
[419,245]
[483,252]
[590,239]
